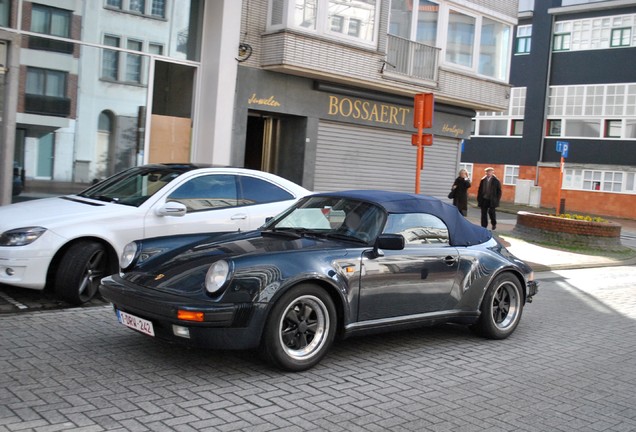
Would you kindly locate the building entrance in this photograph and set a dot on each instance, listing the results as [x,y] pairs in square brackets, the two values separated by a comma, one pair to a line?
[276,144]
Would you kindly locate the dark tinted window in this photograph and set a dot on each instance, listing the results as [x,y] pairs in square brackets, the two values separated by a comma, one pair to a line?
[257,191]
[207,192]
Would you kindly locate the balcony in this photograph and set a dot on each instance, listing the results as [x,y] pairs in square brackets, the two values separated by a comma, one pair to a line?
[39,43]
[412,59]
[47,105]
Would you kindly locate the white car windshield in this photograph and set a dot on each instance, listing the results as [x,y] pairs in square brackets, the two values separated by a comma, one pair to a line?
[133,186]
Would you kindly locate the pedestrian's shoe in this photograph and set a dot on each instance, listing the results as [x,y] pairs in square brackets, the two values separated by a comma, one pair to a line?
[494,227]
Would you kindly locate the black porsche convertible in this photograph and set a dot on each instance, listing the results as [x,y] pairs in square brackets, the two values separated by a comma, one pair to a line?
[333,265]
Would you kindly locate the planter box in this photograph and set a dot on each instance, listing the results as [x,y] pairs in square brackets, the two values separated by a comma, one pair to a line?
[568,232]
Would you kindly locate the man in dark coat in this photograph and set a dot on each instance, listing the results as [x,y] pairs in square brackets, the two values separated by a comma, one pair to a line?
[488,197]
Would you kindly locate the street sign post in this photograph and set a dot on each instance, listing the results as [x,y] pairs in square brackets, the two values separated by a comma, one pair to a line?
[562,147]
[423,106]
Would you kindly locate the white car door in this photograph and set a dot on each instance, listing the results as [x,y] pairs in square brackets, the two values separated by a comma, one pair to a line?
[212,203]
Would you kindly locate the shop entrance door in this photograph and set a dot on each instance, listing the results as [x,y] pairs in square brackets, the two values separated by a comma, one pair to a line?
[276,144]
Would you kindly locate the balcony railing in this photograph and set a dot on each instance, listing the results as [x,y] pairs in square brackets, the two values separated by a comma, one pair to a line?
[413,59]
[47,105]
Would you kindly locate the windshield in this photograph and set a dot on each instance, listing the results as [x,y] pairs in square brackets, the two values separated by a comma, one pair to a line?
[335,217]
[133,186]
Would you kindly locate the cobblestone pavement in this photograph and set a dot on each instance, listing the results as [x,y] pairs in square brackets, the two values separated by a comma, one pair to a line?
[570,366]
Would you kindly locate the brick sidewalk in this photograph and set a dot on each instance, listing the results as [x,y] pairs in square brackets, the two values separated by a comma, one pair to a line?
[570,366]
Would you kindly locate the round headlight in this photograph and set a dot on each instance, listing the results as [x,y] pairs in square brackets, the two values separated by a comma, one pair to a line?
[128,255]
[216,276]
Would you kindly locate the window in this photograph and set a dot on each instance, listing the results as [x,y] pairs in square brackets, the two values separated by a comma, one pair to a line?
[45,92]
[353,20]
[597,111]
[582,128]
[45,82]
[594,33]
[110,59]
[460,39]
[621,37]
[511,173]
[207,193]
[613,128]
[50,21]
[526,5]
[469,168]
[158,8]
[426,18]
[524,39]
[508,123]
[562,42]
[54,22]
[154,48]
[5,10]
[417,228]
[493,127]
[493,49]
[155,8]
[598,180]
[554,127]
[137,6]
[337,23]
[133,62]
[257,191]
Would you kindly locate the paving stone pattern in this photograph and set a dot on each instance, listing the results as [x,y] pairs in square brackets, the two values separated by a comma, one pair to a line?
[571,366]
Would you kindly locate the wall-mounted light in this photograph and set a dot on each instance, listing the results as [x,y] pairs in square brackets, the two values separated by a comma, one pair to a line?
[244,52]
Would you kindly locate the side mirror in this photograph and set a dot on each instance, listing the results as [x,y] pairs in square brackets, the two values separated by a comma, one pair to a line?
[387,241]
[390,242]
[172,208]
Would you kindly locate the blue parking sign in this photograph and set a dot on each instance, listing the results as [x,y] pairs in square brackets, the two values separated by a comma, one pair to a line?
[564,149]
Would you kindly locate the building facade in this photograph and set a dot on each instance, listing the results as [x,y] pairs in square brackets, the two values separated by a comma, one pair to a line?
[319,91]
[573,99]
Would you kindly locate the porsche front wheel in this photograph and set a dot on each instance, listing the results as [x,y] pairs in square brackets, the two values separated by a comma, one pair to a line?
[501,308]
[300,328]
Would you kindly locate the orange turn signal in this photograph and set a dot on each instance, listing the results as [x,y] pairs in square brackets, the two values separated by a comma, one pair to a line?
[190,315]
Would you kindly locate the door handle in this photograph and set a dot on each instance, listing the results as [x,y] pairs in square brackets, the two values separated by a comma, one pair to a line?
[450,260]
[239,216]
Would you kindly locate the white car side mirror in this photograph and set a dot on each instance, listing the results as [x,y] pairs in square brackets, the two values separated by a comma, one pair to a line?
[172,208]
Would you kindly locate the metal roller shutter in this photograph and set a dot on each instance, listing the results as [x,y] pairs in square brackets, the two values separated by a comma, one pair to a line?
[356,157]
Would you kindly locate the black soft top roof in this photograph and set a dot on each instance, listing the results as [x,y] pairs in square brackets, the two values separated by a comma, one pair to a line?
[461,231]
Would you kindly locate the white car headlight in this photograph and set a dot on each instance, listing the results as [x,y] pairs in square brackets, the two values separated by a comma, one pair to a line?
[216,276]
[21,236]
[128,255]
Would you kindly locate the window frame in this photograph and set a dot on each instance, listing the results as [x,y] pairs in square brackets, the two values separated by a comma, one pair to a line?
[319,22]
[50,12]
[524,41]
[511,174]
[595,180]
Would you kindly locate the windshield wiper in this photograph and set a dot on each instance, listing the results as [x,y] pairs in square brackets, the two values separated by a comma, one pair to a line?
[101,198]
[281,233]
[341,236]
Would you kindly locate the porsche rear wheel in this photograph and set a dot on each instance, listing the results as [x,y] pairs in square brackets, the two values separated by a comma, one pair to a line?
[501,308]
[300,328]
[80,271]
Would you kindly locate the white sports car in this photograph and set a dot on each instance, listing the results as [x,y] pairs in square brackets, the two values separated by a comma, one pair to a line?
[70,242]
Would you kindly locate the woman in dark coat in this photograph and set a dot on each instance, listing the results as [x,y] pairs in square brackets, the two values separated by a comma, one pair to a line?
[460,187]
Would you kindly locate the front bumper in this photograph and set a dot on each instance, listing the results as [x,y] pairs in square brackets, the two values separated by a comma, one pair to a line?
[225,325]
[22,270]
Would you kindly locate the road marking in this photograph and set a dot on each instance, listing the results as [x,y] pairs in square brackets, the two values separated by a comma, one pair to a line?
[13,301]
